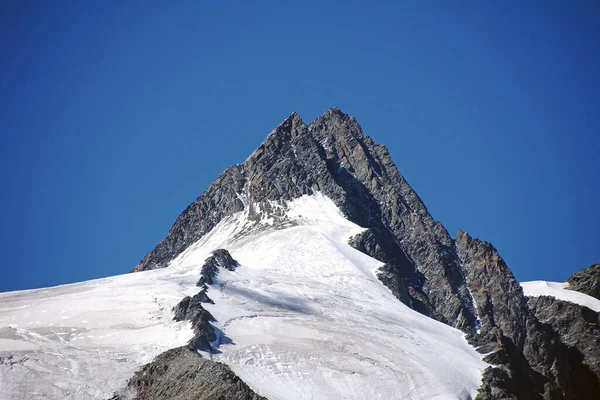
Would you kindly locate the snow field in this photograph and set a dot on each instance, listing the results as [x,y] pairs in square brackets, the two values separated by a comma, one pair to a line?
[302,317]
[305,317]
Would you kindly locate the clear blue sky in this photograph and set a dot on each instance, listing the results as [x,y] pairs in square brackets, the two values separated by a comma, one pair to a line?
[114,117]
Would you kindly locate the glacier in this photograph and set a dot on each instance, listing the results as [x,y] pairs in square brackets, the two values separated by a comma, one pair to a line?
[303,317]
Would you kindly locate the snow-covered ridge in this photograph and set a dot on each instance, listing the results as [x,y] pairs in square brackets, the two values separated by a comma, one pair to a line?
[559,291]
[303,317]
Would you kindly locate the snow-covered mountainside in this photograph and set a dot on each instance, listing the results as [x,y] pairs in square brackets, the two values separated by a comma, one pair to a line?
[312,270]
[302,317]
[83,341]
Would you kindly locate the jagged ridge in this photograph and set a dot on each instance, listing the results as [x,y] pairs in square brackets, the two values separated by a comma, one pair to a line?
[463,283]
[334,156]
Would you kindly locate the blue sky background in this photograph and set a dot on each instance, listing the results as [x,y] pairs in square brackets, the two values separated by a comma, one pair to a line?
[115,116]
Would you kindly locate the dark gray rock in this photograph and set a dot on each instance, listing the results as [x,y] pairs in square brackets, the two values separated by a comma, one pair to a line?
[190,309]
[577,327]
[183,374]
[534,355]
[586,281]
[219,259]
[203,297]
[502,315]
[494,289]
[218,201]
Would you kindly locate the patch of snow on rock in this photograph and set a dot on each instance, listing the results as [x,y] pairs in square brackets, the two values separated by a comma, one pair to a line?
[559,291]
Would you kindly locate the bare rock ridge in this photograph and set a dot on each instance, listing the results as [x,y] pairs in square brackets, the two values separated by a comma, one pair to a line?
[210,269]
[462,282]
[190,308]
[181,373]
[534,357]
[587,281]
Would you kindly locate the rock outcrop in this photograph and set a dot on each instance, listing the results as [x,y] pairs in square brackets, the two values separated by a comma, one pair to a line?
[533,353]
[181,373]
[576,326]
[190,309]
[586,281]
[219,258]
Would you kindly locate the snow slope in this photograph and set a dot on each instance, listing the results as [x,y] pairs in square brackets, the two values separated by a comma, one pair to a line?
[560,291]
[82,341]
[302,317]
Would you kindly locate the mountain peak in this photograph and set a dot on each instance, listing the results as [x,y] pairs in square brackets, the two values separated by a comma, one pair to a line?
[294,117]
[297,212]
[288,126]
[334,113]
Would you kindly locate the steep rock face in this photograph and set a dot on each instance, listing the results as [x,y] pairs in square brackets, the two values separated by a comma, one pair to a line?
[218,201]
[538,345]
[502,320]
[496,292]
[586,281]
[578,327]
[334,156]
[181,373]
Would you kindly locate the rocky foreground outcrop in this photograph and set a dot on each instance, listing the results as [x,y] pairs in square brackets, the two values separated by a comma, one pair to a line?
[535,352]
[182,374]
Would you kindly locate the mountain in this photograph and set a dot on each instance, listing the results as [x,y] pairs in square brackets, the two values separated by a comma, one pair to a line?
[310,270]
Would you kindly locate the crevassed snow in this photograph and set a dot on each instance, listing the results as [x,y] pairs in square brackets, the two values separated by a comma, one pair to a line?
[83,341]
[302,317]
[559,291]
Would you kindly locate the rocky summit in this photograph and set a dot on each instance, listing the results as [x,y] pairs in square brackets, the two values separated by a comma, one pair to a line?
[312,270]
[538,348]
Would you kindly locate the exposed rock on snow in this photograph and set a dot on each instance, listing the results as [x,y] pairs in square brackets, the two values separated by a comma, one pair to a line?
[304,316]
[219,258]
[183,374]
[190,309]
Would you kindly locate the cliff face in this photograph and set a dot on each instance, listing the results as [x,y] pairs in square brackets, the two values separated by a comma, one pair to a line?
[463,283]
[540,347]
